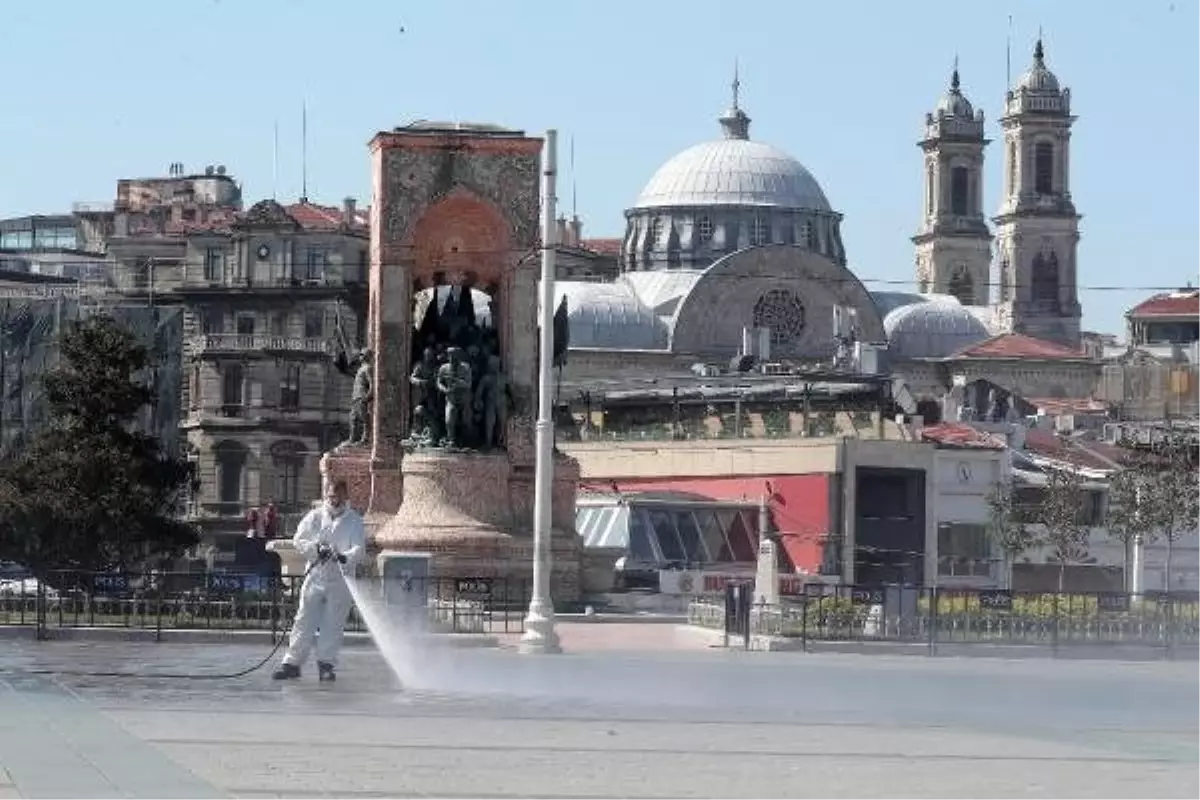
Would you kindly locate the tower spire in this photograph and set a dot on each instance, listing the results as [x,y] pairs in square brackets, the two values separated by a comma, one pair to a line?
[1038,52]
[954,75]
[735,123]
[737,85]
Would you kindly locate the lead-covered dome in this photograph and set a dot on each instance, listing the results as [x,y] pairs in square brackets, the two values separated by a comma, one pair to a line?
[722,196]
[1038,78]
[733,172]
[931,329]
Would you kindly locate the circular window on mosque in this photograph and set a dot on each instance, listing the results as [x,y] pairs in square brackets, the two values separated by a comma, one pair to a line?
[782,313]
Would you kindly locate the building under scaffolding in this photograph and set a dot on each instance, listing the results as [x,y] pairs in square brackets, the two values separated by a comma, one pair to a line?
[33,316]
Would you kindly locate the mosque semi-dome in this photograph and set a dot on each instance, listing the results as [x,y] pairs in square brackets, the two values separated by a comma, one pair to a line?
[718,197]
[932,329]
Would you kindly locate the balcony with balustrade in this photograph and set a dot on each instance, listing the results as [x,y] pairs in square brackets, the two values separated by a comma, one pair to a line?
[269,345]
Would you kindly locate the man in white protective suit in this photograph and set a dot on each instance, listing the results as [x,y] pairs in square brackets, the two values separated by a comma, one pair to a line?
[333,540]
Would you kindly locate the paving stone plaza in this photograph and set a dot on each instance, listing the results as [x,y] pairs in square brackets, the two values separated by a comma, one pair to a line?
[696,722]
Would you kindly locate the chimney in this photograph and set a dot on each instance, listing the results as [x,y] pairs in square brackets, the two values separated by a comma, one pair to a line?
[348,211]
[576,231]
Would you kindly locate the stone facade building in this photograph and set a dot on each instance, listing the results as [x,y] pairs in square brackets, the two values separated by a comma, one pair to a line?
[266,299]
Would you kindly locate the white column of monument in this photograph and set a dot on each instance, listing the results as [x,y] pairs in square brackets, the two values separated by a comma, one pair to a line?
[540,636]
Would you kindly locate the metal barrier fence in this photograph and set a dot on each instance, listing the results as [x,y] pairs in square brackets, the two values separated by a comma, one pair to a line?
[932,616]
[161,601]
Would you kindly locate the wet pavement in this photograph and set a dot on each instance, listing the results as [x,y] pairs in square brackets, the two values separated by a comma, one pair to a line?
[695,723]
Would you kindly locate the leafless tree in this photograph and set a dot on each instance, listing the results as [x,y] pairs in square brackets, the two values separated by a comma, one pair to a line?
[1174,505]
[1130,516]
[1066,532]
[1008,527]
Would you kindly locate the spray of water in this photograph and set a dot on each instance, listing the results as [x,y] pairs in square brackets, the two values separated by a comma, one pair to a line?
[423,660]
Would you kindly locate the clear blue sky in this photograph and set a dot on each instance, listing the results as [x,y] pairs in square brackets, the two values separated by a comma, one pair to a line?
[95,91]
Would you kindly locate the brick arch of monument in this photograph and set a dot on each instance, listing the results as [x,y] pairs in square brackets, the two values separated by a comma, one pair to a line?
[790,286]
[464,237]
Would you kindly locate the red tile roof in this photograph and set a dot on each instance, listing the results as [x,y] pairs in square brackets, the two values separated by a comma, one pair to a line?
[1018,345]
[1081,453]
[605,247]
[956,435]
[1183,303]
[313,217]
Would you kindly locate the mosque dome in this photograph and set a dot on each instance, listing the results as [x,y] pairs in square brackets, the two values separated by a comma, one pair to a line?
[721,196]
[733,172]
[1038,78]
[931,329]
[954,103]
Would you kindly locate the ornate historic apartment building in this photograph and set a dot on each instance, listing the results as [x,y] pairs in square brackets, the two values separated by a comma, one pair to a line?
[268,298]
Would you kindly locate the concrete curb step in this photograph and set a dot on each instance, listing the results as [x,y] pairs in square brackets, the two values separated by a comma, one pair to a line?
[201,636]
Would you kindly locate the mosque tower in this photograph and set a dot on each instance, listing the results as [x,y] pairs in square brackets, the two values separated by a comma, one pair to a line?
[953,244]
[1037,229]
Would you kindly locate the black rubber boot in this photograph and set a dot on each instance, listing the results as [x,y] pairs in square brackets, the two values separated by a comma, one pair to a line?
[286,672]
[325,672]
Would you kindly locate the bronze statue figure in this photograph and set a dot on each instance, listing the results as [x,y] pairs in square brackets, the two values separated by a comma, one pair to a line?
[424,399]
[361,398]
[491,399]
[454,382]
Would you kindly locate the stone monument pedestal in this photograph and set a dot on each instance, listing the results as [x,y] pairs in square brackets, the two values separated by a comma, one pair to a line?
[465,509]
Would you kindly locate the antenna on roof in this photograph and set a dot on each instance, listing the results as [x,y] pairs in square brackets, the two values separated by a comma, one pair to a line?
[1008,56]
[275,164]
[304,152]
[574,204]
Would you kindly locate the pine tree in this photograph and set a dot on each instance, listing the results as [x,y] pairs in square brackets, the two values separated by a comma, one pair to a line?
[90,491]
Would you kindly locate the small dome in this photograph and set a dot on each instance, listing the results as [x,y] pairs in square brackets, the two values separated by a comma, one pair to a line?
[932,329]
[954,103]
[1038,78]
[610,316]
[733,172]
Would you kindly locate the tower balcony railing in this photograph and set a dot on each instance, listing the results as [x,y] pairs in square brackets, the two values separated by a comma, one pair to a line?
[257,343]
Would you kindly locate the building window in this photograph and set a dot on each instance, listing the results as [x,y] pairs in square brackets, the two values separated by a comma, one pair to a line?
[655,232]
[231,464]
[245,324]
[212,321]
[279,326]
[961,285]
[930,191]
[141,273]
[289,388]
[960,181]
[315,267]
[194,389]
[760,232]
[288,459]
[805,237]
[782,313]
[1043,289]
[232,390]
[1043,168]
[704,230]
[214,265]
[1005,277]
[1012,167]
[964,549]
[314,323]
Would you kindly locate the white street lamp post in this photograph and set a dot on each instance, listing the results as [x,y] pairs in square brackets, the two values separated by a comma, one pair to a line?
[540,636]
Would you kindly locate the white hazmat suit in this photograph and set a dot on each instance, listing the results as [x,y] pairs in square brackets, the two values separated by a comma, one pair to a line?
[325,599]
